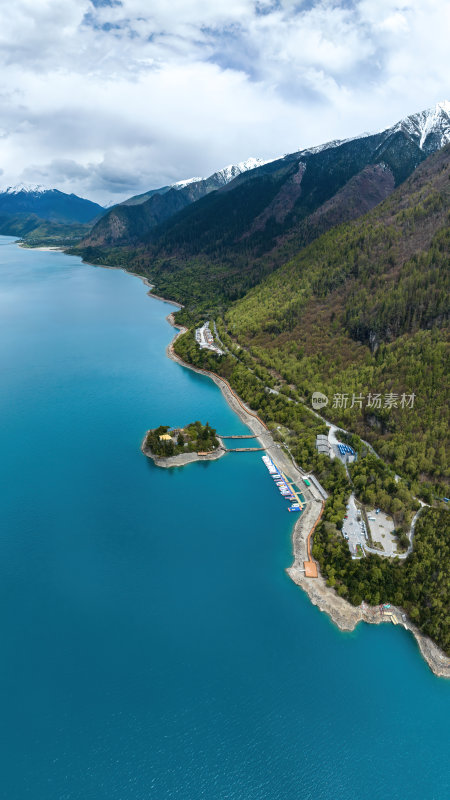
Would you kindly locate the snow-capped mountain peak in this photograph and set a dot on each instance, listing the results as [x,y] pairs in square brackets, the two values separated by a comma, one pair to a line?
[444,105]
[318,148]
[186,182]
[226,174]
[429,128]
[26,188]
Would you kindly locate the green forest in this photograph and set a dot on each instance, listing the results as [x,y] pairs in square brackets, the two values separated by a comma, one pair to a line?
[363,312]
[193,438]
[420,584]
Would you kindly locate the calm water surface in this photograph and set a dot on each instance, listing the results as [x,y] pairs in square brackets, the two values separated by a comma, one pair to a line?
[152,645]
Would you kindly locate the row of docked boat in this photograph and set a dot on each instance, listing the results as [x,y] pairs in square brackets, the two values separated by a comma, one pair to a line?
[283,487]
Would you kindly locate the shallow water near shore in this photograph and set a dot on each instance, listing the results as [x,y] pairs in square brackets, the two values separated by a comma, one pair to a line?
[152,645]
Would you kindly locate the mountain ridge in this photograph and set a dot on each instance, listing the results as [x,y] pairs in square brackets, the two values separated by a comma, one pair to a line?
[143,212]
[47,204]
[219,178]
[254,222]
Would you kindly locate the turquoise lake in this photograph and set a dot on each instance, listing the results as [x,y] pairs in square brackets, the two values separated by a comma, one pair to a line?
[152,645]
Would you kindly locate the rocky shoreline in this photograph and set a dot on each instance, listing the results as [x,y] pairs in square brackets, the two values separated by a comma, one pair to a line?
[347,617]
[340,611]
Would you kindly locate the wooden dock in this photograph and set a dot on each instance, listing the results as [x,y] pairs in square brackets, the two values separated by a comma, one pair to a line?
[290,484]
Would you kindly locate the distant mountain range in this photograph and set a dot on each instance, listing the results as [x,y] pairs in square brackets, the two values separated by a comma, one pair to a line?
[246,218]
[259,218]
[255,207]
[39,215]
[47,204]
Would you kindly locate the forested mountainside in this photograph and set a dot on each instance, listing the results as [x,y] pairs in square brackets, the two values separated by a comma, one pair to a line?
[211,252]
[406,236]
[34,231]
[364,309]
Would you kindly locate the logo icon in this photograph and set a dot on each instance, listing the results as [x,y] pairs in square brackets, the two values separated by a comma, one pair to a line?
[318,400]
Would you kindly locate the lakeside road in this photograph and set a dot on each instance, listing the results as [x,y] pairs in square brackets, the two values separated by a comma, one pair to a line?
[340,611]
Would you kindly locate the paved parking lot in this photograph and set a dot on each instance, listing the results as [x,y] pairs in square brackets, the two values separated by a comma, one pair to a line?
[381,527]
[353,529]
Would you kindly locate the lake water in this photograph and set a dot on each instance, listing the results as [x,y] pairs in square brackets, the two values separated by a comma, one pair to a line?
[152,645]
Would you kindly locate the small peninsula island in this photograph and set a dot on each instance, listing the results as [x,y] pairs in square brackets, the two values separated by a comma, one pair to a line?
[174,447]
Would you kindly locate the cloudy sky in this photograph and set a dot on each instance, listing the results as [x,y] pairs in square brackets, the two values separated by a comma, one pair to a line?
[108,98]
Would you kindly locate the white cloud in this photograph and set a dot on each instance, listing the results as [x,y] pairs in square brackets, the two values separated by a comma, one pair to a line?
[112,98]
[394,23]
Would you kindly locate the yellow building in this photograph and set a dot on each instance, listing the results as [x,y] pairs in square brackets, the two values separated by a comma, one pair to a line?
[165,437]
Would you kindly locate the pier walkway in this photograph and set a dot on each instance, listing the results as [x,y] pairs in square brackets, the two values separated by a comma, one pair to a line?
[239,436]
[244,449]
